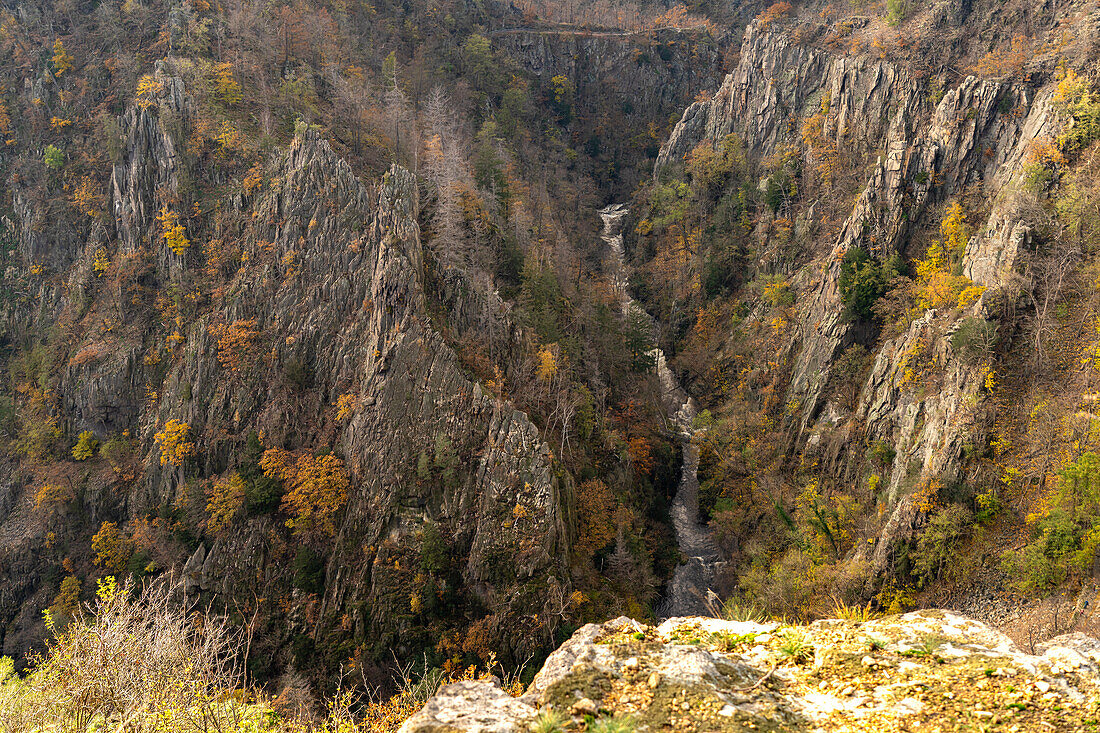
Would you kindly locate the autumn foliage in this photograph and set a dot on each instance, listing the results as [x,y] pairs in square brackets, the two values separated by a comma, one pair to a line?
[112,548]
[237,343]
[317,489]
[1005,62]
[226,498]
[774,12]
[172,231]
[596,507]
[173,442]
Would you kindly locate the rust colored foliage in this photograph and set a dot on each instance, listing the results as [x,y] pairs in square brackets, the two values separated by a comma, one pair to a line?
[596,505]
[174,446]
[1005,62]
[641,454]
[237,343]
[776,11]
[317,489]
[112,548]
[225,500]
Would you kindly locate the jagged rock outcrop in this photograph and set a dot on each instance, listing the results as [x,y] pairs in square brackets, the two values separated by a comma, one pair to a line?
[147,175]
[919,152]
[778,80]
[328,300]
[702,674]
[332,293]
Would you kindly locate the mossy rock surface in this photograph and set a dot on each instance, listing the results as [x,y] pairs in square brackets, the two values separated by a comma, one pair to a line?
[928,670]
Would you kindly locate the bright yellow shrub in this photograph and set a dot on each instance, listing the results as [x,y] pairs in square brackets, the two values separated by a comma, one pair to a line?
[173,233]
[62,60]
[317,489]
[225,501]
[173,443]
[112,548]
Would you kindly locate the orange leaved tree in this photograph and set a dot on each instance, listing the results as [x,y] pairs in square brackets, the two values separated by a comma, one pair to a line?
[317,488]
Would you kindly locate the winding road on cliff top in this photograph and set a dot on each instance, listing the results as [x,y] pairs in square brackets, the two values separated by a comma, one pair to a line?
[687,591]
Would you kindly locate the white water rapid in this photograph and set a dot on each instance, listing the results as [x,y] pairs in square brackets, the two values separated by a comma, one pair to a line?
[691,582]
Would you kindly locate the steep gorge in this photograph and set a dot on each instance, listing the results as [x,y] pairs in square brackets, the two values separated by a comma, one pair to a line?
[902,149]
[693,580]
[315,318]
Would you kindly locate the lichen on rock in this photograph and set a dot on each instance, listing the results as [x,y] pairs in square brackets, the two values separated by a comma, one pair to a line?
[898,673]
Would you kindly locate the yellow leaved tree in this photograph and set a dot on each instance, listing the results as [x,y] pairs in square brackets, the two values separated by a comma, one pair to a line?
[548,364]
[939,282]
[317,488]
[62,60]
[346,406]
[148,88]
[173,233]
[226,87]
[225,500]
[174,446]
[112,548]
[86,446]
[237,343]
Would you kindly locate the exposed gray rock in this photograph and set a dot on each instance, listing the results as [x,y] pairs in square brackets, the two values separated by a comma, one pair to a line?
[148,172]
[476,707]
[918,156]
[924,668]
[334,285]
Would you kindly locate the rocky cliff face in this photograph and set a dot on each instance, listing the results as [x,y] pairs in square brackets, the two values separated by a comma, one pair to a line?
[649,72]
[625,87]
[328,301]
[351,306]
[913,152]
[703,674]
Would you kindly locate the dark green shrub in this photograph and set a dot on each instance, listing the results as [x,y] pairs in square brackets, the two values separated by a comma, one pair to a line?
[434,553]
[639,341]
[446,462]
[263,494]
[863,280]
[140,564]
[881,454]
[309,571]
[7,416]
[303,649]
[1066,539]
[1043,563]
[975,338]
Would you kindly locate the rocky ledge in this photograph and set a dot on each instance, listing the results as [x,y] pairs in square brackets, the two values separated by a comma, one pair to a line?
[927,670]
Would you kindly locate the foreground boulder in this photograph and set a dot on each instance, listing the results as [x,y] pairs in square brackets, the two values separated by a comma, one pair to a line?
[925,670]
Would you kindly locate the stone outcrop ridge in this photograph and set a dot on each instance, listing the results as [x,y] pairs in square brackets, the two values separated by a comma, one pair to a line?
[329,294]
[919,153]
[334,286]
[702,674]
[148,171]
[777,80]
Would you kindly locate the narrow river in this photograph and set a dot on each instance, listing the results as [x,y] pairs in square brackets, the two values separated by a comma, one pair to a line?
[691,581]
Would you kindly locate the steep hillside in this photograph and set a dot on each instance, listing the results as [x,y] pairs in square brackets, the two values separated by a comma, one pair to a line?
[301,323]
[877,280]
[323,342]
